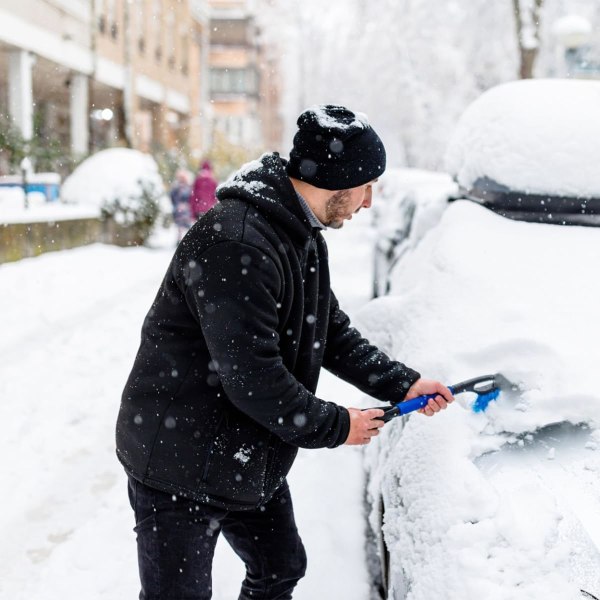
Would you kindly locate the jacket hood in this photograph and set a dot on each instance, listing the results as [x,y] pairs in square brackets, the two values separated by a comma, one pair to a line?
[264,184]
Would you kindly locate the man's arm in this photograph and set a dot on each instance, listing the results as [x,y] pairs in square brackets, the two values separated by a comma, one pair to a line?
[354,359]
[232,290]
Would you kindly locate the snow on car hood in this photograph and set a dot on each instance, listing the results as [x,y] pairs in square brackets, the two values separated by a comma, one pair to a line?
[533,136]
[482,294]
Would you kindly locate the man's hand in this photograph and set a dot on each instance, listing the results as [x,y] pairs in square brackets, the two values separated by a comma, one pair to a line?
[363,425]
[428,386]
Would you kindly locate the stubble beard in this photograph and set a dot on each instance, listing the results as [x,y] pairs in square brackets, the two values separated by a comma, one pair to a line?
[336,209]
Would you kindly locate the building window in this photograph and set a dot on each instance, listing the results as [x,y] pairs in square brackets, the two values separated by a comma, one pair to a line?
[236,81]
[185,50]
[170,45]
[230,32]
[100,16]
[157,29]
[111,18]
[252,81]
[140,25]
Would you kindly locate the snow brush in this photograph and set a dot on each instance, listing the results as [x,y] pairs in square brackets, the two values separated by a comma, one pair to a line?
[487,388]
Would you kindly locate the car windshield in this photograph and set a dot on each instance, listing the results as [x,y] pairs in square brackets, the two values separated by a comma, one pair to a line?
[540,208]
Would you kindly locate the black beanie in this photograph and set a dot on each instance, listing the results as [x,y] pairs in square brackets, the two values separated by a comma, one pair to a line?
[335,149]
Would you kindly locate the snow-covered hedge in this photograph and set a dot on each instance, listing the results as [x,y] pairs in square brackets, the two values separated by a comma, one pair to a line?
[124,184]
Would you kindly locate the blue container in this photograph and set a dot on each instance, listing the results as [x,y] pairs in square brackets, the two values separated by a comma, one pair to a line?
[46,183]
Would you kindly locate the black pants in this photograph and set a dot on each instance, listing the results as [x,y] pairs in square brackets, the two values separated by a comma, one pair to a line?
[176,541]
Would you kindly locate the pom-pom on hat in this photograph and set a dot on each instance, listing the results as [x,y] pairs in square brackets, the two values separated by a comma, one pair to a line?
[335,149]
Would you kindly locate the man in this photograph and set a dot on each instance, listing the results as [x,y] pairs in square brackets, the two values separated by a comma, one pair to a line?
[222,392]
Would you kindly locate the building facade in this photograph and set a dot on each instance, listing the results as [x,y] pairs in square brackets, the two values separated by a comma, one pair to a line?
[100,73]
[244,77]
[148,74]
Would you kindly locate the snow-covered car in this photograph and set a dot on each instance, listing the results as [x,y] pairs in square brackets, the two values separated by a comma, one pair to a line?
[409,201]
[503,503]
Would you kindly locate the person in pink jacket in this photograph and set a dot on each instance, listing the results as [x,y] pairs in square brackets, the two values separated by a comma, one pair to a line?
[203,195]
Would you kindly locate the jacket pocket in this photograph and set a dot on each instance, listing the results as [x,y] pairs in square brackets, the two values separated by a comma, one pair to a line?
[236,464]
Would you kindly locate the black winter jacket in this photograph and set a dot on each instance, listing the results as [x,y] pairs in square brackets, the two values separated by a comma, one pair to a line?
[222,391]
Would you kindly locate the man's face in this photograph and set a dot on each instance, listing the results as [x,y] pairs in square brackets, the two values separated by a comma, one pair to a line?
[343,204]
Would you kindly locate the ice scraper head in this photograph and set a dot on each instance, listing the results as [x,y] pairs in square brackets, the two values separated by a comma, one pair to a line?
[482,400]
[491,390]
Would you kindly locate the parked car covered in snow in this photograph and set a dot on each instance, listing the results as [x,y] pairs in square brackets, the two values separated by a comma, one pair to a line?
[502,503]
[409,202]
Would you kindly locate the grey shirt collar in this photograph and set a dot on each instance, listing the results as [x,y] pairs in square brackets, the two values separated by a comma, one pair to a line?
[310,215]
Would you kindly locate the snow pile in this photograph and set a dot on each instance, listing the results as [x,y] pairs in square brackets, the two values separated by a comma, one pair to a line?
[534,136]
[70,325]
[483,294]
[12,202]
[12,199]
[113,174]
[572,27]
[12,208]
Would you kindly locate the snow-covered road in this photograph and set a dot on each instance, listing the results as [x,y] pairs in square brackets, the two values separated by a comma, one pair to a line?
[70,324]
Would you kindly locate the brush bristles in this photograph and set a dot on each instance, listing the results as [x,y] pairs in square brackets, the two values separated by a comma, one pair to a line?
[482,400]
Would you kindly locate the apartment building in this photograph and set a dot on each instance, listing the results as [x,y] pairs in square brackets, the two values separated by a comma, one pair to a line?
[245,88]
[99,73]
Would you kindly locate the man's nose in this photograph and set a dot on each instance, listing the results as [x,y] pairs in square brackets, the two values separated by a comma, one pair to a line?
[367,200]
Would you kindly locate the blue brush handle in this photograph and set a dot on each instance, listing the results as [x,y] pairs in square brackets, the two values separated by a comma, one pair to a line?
[409,406]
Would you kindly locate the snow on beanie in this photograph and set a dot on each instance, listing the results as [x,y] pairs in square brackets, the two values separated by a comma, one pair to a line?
[335,149]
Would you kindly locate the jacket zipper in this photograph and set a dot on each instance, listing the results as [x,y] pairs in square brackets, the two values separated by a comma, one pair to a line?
[208,462]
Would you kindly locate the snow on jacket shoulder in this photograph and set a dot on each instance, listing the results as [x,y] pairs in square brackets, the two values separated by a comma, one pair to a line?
[222,391]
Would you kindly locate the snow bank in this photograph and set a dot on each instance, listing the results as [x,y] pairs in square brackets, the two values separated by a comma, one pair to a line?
[116,173]
[110,174]
[482,294]
[535,136]
[12,208]
[572,26]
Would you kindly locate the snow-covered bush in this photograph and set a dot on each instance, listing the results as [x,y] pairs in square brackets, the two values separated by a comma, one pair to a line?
[124,184]
[138,211]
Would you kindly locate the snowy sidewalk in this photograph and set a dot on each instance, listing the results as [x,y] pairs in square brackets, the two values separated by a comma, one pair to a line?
[70,325]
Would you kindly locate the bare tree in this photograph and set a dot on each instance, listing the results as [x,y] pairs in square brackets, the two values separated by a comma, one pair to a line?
[527,21]
[411,65]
